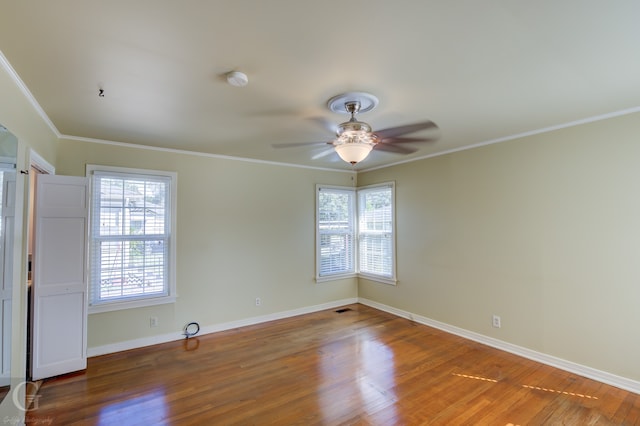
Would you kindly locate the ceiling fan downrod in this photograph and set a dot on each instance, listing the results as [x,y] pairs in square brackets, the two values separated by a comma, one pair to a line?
[352,107]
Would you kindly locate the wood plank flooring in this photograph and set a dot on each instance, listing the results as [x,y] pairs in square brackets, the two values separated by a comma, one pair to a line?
[359,367]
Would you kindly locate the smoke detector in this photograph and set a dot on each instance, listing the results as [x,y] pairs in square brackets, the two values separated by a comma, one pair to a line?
[237,79]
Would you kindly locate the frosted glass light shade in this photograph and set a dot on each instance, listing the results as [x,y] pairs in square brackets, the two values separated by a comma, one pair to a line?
[354,152]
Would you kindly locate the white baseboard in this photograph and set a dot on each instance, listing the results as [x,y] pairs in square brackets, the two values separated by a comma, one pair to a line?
[581,370]
[164,338]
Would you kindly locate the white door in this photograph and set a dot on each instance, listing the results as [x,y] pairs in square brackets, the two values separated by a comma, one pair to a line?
[59,314]
[8,188]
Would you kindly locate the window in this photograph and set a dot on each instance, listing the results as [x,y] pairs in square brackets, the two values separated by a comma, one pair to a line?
[375,231]
[132,241]
[355,232]
[335,231]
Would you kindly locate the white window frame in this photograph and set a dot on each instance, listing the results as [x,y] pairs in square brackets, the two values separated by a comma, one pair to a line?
[355,212]
[389,233]
[351,233]
[97,306]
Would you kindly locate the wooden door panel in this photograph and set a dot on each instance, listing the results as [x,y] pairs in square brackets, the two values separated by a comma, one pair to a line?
[6,271]
[62,348]
[59,336]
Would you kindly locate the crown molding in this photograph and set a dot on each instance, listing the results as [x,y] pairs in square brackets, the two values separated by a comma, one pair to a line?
[27,93]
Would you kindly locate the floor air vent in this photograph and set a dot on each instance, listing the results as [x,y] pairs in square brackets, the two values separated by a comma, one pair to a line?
[343,310]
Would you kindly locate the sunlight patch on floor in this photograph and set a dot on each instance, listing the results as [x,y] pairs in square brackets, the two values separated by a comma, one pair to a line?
[560,392]
[484,379]
[466,376]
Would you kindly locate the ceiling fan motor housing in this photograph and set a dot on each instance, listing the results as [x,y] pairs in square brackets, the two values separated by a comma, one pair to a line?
[353,126]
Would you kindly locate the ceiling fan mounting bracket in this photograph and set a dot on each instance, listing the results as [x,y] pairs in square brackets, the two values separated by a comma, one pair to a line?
[346,102]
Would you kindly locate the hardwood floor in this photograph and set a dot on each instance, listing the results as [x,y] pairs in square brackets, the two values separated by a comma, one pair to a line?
[359,367]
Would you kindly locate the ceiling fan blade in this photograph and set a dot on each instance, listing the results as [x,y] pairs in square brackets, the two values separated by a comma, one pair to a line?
[295,144]
[326,124]
[407,140]
[401,130]
[323,153]
[397,149]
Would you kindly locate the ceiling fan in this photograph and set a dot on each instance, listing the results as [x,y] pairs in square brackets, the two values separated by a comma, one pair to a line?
[356,139]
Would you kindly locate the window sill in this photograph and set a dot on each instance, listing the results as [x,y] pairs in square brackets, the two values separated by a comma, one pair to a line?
[131,304]
[335,277]
[383,280]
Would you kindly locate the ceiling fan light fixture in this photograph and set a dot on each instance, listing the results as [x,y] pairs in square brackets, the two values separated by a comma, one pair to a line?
[355,139]
[353,152]
[354,146]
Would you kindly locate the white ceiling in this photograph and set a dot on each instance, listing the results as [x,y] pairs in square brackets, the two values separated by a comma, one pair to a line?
[481,70]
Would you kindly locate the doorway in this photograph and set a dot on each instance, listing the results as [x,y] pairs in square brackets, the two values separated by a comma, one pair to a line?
[37,166]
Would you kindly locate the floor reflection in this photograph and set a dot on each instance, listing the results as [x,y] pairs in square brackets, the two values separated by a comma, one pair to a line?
[149,408]
[371,383]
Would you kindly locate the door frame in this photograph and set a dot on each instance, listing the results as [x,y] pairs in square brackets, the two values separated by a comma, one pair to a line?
[37,165]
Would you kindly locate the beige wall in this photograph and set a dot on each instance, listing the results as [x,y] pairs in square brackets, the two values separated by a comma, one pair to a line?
[245,230]
[543,231]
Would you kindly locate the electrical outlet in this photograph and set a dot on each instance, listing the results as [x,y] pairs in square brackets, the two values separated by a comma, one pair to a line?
[496,321]
[258,301]
[153,322]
